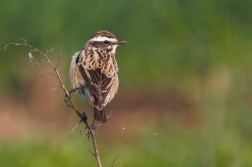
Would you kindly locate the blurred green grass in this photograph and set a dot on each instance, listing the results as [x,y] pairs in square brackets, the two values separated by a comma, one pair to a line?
[158,147]
[199,49]
[174,38]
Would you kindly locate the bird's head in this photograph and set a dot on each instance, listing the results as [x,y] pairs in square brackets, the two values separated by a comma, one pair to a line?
[104,40]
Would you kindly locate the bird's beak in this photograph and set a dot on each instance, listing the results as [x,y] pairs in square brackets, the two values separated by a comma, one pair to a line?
[121,42]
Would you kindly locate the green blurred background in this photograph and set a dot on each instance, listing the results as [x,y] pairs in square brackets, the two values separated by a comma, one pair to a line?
[185,89]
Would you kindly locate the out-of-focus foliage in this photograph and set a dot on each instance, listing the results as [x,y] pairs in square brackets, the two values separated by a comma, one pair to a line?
[167,40]
[193,55]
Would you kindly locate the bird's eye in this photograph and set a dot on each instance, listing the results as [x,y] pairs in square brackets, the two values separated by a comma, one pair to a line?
[106,42]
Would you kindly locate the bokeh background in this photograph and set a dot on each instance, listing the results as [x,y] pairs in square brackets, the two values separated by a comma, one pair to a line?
[185,83]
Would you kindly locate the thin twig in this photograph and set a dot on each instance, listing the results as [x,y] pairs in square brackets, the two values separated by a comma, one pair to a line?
[86,144]
[52,74]
[59,56]
[121,162]
[52,87]
[69,133]
[113,161]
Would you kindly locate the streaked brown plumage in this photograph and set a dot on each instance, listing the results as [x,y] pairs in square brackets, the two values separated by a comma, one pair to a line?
[94,71]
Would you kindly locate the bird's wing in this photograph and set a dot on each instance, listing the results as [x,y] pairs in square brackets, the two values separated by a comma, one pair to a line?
[92,76]
[99,83]
[93,81]
[107,83]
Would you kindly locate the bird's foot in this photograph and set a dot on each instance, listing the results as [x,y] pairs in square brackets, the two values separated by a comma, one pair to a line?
[91,128]
[71,92]
[67,98]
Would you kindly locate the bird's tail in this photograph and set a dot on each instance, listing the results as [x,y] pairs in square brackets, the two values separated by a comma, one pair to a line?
[100,115]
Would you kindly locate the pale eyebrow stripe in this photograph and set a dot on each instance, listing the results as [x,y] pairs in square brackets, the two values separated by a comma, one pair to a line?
[98,39]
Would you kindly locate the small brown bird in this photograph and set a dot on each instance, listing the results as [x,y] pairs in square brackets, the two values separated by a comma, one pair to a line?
[93,71]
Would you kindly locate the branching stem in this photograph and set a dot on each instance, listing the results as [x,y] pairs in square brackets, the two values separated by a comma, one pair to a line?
[69,102]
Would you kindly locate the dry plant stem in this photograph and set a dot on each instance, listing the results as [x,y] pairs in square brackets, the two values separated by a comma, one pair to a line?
[69,102]
[113,162]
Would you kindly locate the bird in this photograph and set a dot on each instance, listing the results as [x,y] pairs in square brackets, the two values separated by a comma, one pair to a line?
[93,71]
